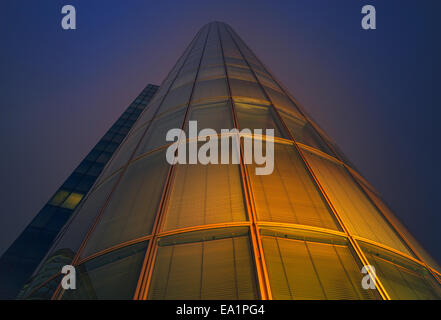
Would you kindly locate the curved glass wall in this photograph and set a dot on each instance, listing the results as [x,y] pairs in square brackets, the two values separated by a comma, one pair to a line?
[219,231]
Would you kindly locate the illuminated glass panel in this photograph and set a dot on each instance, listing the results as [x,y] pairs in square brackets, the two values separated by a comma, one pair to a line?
[59,197]
[176,97]
[110,276]
[72,200]
[402,278]
[210,89]
[132,208]
[186,77]
[289,194]
[205,194]
[240,73]
[355,209]
[211,72]
[307,266]
[213,115]
[282,102]
[241,88]
[212,264]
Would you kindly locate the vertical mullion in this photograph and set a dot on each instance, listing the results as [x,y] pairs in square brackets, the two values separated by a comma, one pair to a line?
[352,241]
[146,272]
[262,273]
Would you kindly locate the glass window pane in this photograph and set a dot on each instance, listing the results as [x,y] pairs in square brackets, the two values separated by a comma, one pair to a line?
[230,49]
[44,292]
[253,116]
[304,133]
[210,89]
[408,236]
[59,197]
[289,194]
[247,89]
[240,73]
[110,276]
[147,115]
[157,132]
[123,154]
[215,266]
[132,208]
[352,205]
[176,97]
[239,62]
[282,102]
[266,81]
[211,72]
[205,194]
[402,278]
[303,269]
[185,77]
[213,115]
[72,200]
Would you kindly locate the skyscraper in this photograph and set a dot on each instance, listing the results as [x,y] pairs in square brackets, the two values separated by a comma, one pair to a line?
[27,251]
[151,230]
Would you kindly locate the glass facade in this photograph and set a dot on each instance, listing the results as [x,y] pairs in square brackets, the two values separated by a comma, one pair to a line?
[219,231]
[25,254]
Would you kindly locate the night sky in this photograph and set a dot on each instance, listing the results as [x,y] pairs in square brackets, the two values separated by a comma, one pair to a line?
[376,93]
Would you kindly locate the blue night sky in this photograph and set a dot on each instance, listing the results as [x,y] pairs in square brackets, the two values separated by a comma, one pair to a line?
[374,92]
